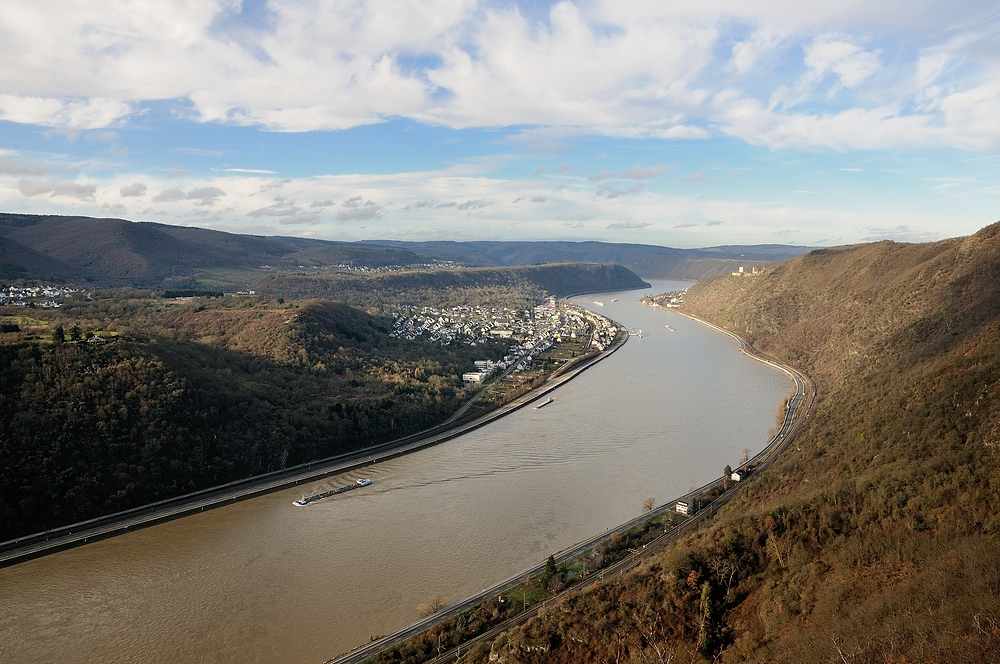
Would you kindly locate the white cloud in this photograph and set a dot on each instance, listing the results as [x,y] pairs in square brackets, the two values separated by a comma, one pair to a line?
[287,211]
[628,225]
[169,196]
[357,208]
[66,188]
[637,172]
[134,189]
[91,113]
[23,167]
[205,196]
[405,206]
[901,233]
[850,63]
[603,174]
[748,52]
[610,191]
[645,69]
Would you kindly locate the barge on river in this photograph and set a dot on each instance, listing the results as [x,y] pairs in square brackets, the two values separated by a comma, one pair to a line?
[302,502]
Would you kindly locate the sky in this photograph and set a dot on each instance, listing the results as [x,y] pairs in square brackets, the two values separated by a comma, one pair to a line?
[684,124]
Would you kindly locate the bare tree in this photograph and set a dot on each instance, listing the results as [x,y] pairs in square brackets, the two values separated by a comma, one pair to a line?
[647,504]
[725,570]
[432,605]
[656,638]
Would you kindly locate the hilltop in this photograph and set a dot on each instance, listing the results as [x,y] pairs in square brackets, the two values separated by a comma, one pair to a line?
[873,538]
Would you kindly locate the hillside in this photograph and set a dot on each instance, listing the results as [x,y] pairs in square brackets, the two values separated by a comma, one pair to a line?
[513,286]
[194,394]
[116,252]
[20,262]
[873,539]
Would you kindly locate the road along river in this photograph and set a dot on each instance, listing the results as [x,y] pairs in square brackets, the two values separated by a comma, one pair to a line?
[263,581]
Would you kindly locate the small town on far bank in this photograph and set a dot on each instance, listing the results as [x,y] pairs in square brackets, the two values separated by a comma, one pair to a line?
[545,338]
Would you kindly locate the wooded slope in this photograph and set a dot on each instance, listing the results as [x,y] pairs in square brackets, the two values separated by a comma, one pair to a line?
[202,393]
[518,286]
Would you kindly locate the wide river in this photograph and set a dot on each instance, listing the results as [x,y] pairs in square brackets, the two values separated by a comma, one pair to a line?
[263,581]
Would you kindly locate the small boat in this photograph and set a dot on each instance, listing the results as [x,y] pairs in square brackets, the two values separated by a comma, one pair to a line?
[615,300]
[600,304]
[544,403]
[302,502]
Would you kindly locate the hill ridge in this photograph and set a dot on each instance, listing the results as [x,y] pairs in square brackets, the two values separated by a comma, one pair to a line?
[873,537]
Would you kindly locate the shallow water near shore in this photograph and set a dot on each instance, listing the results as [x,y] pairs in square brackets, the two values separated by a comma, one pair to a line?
[264,581]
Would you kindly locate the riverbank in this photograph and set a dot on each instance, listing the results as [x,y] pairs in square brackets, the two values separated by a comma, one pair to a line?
[41,544]
[453,625]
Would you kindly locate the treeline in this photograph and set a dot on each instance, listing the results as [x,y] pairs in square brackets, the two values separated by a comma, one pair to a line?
[190,397]
[873,538]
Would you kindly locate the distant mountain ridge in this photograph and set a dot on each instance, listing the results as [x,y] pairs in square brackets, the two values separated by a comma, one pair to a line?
[646,260]
[125,253]
[117,252]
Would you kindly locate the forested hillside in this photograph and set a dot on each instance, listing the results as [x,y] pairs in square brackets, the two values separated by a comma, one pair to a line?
[502,286]
[874,537]
[195,394]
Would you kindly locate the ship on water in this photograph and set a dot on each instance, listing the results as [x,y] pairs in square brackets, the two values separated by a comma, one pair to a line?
[544,403]
[302,502]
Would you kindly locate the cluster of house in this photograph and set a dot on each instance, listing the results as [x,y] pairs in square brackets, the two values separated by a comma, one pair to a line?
[471,325]
[534,331]
[669,300]
[369,269]
[40,296]
[434,265]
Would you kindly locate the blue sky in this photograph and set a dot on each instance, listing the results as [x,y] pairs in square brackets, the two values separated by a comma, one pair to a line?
[683,124]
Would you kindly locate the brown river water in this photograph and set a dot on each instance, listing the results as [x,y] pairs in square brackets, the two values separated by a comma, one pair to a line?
[264,581]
